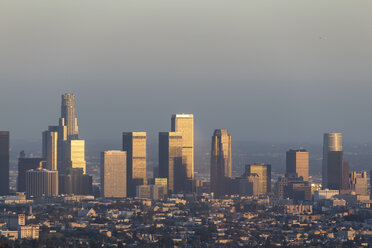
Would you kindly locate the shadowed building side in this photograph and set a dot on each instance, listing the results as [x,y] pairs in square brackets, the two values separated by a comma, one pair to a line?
[337,171]
[170,160]
[221,163]
[134,143]
[50,149]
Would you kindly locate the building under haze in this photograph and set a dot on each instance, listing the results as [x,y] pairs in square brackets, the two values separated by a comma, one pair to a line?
[358,182]
[75,182]
[332,142]
[41,183]
[50,141]
[25,164]
[68,113]
[184,123]
[4,162]
[134,143]
[170,160]
[337,171]
[264,174]
[221,162]
[114,174]
[297,162]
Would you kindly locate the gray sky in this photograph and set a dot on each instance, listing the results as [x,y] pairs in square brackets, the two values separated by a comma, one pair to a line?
[266,70]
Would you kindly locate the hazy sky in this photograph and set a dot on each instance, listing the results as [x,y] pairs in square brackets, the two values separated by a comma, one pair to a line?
[266,70]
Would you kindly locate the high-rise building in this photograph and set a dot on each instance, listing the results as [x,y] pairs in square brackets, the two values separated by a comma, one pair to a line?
[114,174]
[297,162]
[332,142]
[134,143]
[61,144]
[337,171]
[25,164]
[41,183]
[221,163]
[264,174]
[50,141]
[358,182]
[185,123]
[75,155]
[75,182]
[68,114]
[4,162]
[170,160]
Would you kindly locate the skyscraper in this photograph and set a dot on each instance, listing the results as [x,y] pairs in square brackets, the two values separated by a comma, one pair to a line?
[75,155]
[134,143]
[170,160]
[114,174]
[41,183]
[75,182]
[221,163]
[358,182]
[264,174]
[332,142]
[337,171]
[61,144]
[4,162]
[50,141]
[297,162]
[68,114]
[185,123]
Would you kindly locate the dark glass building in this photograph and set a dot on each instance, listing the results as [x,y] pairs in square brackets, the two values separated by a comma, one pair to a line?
[25,164]
[4,162]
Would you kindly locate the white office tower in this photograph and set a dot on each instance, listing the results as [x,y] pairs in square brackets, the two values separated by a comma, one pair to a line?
[114,174]
[41,183]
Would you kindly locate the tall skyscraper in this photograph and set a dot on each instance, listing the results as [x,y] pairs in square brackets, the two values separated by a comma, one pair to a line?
[332,142]
[41,183]
[114,174]
[68,114]
[185,123]
[170,160]
[337,171]
[264,174]
[134,143]
[4,162]
[25,164]
[358,182]
[297,162]
[50,141]
[75,155]
[221,163]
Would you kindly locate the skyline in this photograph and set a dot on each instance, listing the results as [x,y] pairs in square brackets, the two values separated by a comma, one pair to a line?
[200,135]
[286,71]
